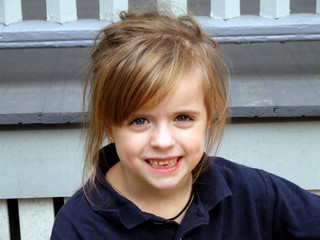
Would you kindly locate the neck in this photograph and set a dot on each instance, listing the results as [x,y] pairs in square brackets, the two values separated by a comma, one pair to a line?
[166,203]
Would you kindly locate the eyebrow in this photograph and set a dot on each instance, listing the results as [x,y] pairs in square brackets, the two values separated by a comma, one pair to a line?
[174,113]
[187,112]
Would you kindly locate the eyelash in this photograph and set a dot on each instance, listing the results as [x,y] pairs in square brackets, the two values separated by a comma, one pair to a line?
[142,121]
[136,121]
[183,118]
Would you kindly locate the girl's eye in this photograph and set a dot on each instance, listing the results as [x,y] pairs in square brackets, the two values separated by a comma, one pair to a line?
[183,118]
[139,121]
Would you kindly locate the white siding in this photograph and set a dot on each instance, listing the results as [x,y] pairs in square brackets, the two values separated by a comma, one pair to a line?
[49,162]
[287,149]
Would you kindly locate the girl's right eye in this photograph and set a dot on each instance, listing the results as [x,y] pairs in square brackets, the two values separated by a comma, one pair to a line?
[139,121]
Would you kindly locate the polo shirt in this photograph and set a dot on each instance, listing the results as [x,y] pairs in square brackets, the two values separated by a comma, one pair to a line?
[231,201]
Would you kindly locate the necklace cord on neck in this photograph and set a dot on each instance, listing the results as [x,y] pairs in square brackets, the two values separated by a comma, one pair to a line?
[179,214]
[185,207]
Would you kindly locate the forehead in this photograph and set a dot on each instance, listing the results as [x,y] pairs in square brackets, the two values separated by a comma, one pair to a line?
[189,93]
[147,90]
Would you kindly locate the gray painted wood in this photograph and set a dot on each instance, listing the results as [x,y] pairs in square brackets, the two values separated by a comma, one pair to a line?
[247,28]
[41,86]
[44,85]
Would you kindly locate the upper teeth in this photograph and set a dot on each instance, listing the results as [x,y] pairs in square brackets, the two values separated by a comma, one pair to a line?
[162,163]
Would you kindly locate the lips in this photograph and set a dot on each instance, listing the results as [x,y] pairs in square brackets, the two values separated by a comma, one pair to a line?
[163,163]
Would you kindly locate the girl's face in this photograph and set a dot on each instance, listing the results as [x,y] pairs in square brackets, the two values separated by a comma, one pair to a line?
[159,147]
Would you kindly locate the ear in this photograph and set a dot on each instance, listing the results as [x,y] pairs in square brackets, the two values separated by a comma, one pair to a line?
[109,135]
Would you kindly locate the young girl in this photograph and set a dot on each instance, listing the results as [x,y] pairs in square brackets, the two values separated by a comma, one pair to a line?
[158,94]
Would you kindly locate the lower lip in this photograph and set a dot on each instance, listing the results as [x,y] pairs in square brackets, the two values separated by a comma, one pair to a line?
[165,169]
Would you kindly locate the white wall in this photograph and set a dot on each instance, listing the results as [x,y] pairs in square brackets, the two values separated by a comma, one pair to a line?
[48,162]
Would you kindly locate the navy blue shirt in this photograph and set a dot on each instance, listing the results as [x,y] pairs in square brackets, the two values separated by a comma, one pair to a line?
[231,202]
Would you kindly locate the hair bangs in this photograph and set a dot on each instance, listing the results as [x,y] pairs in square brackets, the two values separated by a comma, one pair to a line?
[149,73]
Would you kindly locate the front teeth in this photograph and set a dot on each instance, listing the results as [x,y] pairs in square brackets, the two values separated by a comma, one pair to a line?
[167,163]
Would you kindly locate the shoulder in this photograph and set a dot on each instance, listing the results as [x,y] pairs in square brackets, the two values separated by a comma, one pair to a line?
[287,203]
[248,182]
[77,219]
[73,204]
[236,184]
[240,175]
[235,173]
[70,215]
[89,215]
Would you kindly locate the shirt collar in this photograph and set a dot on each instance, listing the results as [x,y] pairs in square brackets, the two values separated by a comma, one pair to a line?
[212,186]
[106,201]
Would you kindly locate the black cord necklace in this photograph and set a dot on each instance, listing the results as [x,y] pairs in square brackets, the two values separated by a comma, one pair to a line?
[185,207]
[179,214]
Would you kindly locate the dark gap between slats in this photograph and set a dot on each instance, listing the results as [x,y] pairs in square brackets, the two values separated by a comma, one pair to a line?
[57,203]
[14,223]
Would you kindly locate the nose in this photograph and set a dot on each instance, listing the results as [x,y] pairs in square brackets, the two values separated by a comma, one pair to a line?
[162,137]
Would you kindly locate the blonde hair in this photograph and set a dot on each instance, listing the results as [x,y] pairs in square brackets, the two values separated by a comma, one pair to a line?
[146,55]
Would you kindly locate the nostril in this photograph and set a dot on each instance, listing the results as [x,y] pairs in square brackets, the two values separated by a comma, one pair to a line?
[162,139]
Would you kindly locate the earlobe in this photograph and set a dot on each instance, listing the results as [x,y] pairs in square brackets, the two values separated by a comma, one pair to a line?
[109,135]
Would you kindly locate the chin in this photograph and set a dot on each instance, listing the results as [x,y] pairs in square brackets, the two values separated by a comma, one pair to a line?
[168,184]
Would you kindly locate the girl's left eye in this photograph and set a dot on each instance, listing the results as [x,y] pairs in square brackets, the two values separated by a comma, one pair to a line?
[139,121]
[183,118]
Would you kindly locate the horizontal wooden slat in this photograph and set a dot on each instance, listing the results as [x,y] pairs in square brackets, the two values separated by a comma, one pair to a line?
[48,162]
[287,149]
[81,33]
[36,218]
[268,80]
[296,27]
[4,220]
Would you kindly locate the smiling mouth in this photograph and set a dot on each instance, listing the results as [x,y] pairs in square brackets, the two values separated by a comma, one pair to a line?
[163,163]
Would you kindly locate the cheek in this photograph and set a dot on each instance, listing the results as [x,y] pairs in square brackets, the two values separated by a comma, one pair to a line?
[194,140]
[129,145]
